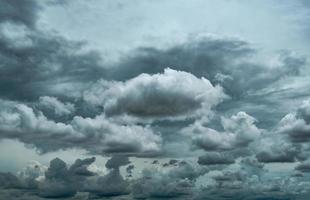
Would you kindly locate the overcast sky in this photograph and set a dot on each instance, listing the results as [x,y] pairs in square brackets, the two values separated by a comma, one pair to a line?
[154,99]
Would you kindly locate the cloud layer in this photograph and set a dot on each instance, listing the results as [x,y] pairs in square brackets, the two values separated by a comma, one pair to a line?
[205,116]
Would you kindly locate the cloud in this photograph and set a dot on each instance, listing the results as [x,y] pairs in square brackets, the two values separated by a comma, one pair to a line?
[20,12]
[178,182]
[239,131]
[55,106]
[111,184]
[168,94]
[8,180]
[296,125]
[216,159]
[97,135]
[303,167]
[116,161]
[47,64]
[34,170]
[61,181]
[278,152]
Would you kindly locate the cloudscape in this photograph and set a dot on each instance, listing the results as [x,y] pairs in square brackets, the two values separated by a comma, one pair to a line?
[154,99]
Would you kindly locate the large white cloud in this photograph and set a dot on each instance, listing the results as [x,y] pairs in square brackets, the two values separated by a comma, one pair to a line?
[168,94]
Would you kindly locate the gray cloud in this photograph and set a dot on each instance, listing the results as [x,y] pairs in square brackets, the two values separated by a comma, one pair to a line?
[296,125]
[239,131]
[216,159]
[61,181]
[97,135]
[303,167]
[279,153]
[21,12]
[58,108]
[56,94]
[178,182]
[168,94]
[112,184]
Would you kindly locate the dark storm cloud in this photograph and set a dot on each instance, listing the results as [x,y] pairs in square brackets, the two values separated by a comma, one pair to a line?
[221,60]
[303,167]
[284,153]
[61,181]
[116,161]
[296,125]
[201,58]
[129,169]
[111,184]
[56,95]
[8,180]
[216,159]
[19,11]
[48,64]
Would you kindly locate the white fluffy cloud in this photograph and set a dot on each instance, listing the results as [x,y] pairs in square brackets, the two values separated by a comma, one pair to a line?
[239,131]
[168,94]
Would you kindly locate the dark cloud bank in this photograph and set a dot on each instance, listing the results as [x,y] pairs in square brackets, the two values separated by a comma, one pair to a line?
[213,100]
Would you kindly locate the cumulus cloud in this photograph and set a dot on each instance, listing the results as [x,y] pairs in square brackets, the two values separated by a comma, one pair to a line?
[296,125]
[168,94]
[303,167]
[278,152]
[97,135]
[61,181]
[34,170]
[111,184]
[55,106]
[178,182]
[239,131]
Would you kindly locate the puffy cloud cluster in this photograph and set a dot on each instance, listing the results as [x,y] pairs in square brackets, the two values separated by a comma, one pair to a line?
[239,131]
[168,94]
[296,125]
[289,140]
[97,135]
[177,182]
[61,181]
[55,106]
[249,179]
[113,183]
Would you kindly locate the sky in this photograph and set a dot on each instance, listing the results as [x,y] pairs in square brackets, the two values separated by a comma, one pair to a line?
[154,99]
